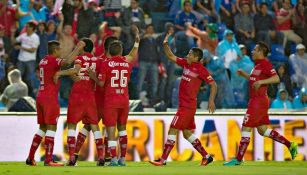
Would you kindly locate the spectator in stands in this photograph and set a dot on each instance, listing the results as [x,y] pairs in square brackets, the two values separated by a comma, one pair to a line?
[228,49]
[244,26]
[128,37]
[37,11]
[298,62]
[265,27]
[227,11]
[282,102]
[134,14]
[207,7]
[79,17]
[206,39]
[4,44]
[300,101]
[29,42]
[284,17]
[300,22]
[148,63]
[16,90]
[271,6]
[97,13]
[185,17]
[8,16]
[51,30]
[285,82]
[48,10]
[43,40]
[166,83]
[24,13]
[175,88]
[216,67]
[240,84]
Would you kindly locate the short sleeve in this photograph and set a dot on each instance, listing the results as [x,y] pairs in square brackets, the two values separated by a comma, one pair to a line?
[205,75]
[181,62]
[269,70]
[102,72]
[35,43]
[18,39]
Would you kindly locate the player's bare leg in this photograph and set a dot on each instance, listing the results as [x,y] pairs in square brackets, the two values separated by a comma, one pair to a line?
[123,141]
[37,139]
[99,144]
[245,139]
[112,145]
[189,136]
[71,143]
[168,146]
[264,130]
[81,139]
[49,144]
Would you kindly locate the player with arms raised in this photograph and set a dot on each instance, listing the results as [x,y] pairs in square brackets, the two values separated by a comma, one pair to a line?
[47,104]
[114,76]
[82,104]
[194,73]
[256,115]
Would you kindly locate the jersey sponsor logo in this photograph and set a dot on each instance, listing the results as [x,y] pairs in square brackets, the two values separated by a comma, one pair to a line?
[86,58]
[256,72]
[43,62]
[252,78]
[186,78]
[190,73]
[115,64]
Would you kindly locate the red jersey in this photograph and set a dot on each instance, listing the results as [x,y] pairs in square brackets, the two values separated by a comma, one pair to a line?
[48,66]
[263,69]
[191,79]
[286,25]
[86,84]
[115,72]
[99,64]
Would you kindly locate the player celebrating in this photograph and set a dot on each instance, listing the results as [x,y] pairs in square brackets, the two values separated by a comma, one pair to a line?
[114,76]
[193,75]
[48,109]
[82,105]
[261,76]
[99,96]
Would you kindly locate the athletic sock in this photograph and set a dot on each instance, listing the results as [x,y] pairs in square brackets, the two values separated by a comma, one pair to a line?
[123,140]
[80,140]
[99,145]
[71,144]
[168,146]
[49,144]
[37,139]
[245,139]
[277,137]
[112,148]
[197,145]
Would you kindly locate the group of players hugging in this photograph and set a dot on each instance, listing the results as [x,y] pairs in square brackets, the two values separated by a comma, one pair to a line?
[100,91]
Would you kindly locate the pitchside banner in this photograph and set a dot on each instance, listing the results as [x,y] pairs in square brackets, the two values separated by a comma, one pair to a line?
[219,133]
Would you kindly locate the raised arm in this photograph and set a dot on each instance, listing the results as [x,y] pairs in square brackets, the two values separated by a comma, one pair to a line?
[133,53]
[72,56]
[213,91]
[167,50]
[243,74]
[59,30]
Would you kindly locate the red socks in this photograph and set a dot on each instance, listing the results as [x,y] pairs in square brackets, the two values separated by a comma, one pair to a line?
[112,148]
[49,144]
[245,139]
[123,140]
[71,144]
[168,146]
[197,145]
[99,145]
[37,139]
[80,140]
[106,147]
[277,137]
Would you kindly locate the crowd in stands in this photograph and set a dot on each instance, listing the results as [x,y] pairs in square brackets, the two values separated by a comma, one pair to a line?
[226,30]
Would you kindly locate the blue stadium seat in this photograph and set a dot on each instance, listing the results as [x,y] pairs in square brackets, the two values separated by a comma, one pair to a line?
[221,29]
[277,53]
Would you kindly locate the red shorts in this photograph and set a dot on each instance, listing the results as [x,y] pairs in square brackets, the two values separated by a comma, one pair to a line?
[257,113]
[48,110]
[184,119]
[82,108]
[113,116]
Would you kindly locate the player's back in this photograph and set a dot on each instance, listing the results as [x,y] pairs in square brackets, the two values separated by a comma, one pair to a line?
[48,66]
[116,74]
[86,84]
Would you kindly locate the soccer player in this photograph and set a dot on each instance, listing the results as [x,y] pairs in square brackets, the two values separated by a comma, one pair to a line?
[48,109]
[81,104]
[194,73]
[114,76]
[256,115]
[99,96]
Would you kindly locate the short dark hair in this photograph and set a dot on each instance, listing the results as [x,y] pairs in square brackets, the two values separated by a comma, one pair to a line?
[115,48]
[89,46]
[263,4]
[52,46]
[197,52]
[186,2]
[149,25]
[32,24]
[264,48]
[108,41]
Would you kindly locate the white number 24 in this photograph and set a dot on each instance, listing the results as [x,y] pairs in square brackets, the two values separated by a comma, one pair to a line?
[121,76]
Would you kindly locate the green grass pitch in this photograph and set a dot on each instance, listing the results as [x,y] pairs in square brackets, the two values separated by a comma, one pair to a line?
[172,168]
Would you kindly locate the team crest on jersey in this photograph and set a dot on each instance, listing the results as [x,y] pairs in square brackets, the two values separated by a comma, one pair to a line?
[190,73]
[256,72]
[94,58]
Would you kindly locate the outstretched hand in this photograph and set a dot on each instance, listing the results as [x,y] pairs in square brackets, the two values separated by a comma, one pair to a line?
[166,38]
[137,33]
[211,107]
